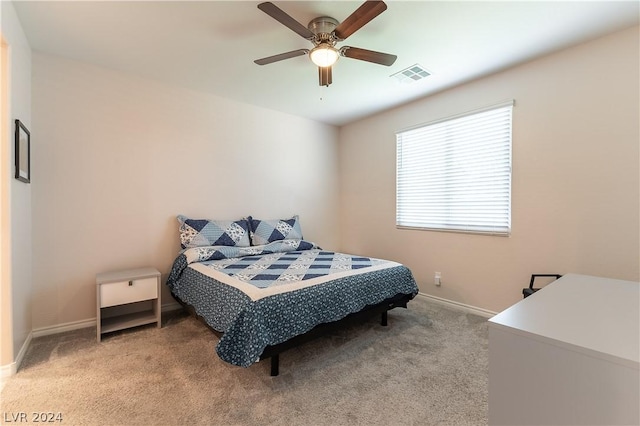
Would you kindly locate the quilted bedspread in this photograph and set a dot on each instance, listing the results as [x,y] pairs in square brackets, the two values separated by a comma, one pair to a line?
[264,295]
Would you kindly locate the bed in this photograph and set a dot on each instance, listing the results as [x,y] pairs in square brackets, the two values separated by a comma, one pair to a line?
[263,288]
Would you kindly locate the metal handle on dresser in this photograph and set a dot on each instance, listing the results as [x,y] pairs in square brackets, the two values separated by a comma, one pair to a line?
[130,283]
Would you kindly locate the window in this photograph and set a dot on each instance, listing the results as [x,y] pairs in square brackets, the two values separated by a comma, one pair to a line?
[455,174]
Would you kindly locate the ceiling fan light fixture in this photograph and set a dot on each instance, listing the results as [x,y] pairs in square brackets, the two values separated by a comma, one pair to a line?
[324,55]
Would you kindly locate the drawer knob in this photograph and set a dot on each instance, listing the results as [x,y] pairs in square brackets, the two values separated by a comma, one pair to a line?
[130,283]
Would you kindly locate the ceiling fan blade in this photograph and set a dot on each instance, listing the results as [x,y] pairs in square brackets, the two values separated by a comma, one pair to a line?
[368,55]
[281,56]
[325,76]
[281,16]
[358,19]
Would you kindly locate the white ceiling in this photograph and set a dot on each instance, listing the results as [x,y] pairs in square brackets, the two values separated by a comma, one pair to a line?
[210,46]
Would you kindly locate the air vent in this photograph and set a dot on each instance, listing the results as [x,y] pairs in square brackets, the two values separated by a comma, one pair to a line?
[413,73]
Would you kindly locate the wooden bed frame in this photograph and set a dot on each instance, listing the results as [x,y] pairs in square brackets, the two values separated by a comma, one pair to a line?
[274,351]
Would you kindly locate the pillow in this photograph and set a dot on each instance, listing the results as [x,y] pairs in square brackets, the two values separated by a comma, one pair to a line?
[205,232]
[266,231]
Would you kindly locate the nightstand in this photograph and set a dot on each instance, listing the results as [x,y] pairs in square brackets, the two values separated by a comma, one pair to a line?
[115,290]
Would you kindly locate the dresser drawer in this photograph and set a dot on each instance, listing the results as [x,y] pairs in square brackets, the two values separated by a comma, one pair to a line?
[121,292]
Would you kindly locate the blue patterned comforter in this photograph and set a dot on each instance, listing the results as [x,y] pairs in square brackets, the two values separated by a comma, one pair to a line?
[264,295]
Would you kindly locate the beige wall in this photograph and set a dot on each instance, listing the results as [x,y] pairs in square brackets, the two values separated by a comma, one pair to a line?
[575,196]
[117,158]
[16,303]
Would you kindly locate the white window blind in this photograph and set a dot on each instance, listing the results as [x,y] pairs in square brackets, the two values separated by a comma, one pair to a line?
[455,174]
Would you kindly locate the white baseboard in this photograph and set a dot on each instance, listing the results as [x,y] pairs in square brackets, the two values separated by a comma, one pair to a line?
[172,306]
[9,370]
[460,306]
[23,350]
[61,328]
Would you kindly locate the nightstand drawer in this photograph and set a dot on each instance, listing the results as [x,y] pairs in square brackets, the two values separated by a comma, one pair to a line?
[121,292]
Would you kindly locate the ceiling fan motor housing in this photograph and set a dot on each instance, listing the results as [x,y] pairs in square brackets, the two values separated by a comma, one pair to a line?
[323,28]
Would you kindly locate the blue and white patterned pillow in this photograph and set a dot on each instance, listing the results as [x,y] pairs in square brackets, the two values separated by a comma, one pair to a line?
[267,231]
[205,232]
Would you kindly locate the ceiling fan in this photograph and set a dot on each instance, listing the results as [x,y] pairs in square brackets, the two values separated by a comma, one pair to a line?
[325,32]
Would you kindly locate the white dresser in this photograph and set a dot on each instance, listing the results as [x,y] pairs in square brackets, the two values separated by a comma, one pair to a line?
[568,355]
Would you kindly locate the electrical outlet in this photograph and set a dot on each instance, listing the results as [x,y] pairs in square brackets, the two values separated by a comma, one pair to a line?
[437,279]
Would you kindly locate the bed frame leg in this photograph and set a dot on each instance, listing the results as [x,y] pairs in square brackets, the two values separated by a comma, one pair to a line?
[383,321]
[275,365]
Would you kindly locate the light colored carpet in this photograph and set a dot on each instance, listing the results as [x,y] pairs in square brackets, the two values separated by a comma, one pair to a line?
[429,366]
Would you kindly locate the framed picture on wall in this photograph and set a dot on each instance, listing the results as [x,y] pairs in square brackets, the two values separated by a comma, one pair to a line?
[23,153]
